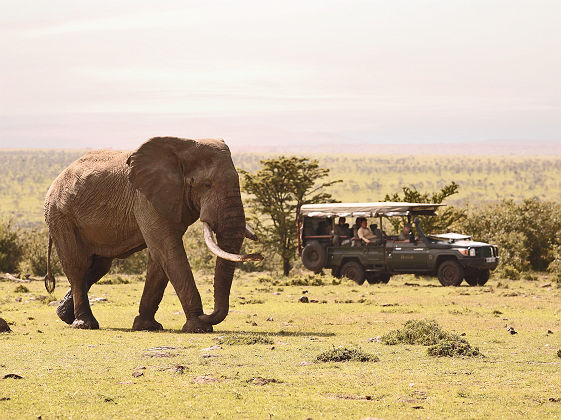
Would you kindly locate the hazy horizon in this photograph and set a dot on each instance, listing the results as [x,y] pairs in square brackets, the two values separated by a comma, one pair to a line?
[267,76]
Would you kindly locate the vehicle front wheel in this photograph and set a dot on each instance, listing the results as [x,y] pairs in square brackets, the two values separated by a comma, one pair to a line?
[483,277]
[450,273]
[476,277]
[354,271]
[472,277]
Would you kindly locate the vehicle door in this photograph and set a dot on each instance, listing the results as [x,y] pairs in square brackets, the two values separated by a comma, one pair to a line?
[407,257]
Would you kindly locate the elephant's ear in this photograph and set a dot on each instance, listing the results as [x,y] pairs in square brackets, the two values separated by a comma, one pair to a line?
[156,171]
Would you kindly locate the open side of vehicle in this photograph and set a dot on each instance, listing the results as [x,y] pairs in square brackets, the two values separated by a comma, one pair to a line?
[451,257]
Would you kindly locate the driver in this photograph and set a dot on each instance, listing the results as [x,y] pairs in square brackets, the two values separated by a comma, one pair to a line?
[405,235]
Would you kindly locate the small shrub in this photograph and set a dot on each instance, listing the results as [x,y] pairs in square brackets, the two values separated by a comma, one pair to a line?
[113,279]
[559,353]
[424,332]
[530,277]
[245,339]
[11,249]
[453,348]
[345,354]
[34,258]
[134,264]
[510,272]
[21,289]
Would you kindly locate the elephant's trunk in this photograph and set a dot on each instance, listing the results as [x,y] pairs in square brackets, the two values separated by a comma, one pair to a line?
[230,232]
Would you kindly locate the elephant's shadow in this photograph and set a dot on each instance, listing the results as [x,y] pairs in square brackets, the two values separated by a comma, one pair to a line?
[280,333]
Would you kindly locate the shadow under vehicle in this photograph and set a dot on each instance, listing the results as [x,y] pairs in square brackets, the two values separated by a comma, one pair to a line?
[451,257]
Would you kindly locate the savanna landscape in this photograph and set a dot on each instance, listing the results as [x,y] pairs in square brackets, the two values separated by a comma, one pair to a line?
[303,345]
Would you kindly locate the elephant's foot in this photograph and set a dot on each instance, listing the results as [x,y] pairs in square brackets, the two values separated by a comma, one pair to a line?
[65,309]
[86,324]
[143,324]
[195,325]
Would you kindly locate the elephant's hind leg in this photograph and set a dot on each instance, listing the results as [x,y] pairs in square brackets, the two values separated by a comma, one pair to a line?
[75,263]
[156,282]
[99,267]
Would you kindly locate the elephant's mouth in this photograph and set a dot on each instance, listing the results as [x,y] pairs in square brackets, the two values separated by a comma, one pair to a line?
[215,249]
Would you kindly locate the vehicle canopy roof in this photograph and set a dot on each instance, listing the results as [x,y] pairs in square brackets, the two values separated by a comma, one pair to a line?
[387,208]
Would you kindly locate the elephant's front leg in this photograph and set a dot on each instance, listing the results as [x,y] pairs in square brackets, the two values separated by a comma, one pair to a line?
[156,282]
[172,258]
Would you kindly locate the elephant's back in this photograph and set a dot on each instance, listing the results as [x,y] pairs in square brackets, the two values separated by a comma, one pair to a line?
[96,180]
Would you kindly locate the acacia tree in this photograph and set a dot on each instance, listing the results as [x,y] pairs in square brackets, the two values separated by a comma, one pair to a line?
[446,216]
[278,191]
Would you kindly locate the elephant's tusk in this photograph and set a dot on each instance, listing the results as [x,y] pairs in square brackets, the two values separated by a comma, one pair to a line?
[209,239]
[250,234]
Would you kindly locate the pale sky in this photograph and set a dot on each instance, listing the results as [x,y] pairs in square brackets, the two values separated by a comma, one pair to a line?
[257,73]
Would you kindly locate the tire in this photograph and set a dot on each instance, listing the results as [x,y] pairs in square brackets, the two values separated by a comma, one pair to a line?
[483,277]
[374,278]
[476,277]
[354,271]
[385,278]
[314,256]
[450,273]
[472,276]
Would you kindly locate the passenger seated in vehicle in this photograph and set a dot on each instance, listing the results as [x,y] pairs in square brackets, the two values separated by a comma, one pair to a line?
[341,232]
[406,235]
[379,234]
[366,234]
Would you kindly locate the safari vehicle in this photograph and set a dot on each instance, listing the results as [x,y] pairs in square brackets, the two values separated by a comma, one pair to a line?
[451,257]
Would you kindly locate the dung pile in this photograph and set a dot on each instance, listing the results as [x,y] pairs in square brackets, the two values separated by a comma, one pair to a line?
[428,333]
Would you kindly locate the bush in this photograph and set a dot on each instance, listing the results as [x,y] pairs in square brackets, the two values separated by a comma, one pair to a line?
[133,264]
[527,233]
[346,354]
[453,348]
[424,332]
[34,258]
[113,279]
[235,339]
[509,272]
[429,333]
[11,249]
[21,289]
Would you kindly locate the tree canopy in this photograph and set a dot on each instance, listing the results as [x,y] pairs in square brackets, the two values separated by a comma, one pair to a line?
[278,190]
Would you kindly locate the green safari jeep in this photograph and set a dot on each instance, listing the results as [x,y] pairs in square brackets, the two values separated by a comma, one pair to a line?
[451,257]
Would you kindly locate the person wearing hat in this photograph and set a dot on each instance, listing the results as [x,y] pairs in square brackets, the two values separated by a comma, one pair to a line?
[406,234]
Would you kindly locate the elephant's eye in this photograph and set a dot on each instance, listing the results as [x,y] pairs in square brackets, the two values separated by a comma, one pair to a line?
[207,184]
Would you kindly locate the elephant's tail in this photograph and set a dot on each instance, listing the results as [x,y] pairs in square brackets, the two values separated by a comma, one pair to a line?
[50,281]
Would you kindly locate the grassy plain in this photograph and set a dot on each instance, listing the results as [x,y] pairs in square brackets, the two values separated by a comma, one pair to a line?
[117,373]
[27,174]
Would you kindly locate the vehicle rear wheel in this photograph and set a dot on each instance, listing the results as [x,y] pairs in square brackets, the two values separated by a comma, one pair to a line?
[314,256]
[483,277]
[354,271]
[375,277]
[450,273]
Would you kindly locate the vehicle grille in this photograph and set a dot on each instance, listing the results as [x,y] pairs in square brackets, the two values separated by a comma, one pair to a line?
[484,252]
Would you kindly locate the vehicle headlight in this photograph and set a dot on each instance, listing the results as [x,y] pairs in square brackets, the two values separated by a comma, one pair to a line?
[472,252]
[464,251]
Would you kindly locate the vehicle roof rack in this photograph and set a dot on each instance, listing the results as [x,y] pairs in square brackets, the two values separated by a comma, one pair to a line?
[384,208]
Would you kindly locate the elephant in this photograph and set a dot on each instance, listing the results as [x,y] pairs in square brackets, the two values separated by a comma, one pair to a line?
[110,204]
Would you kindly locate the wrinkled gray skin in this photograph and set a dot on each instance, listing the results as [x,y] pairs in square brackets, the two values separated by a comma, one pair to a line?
[110,204]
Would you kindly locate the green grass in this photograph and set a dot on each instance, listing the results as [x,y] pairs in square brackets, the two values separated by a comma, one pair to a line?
[117,373]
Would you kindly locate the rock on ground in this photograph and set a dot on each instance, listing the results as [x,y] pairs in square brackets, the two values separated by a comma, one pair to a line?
[4,327]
